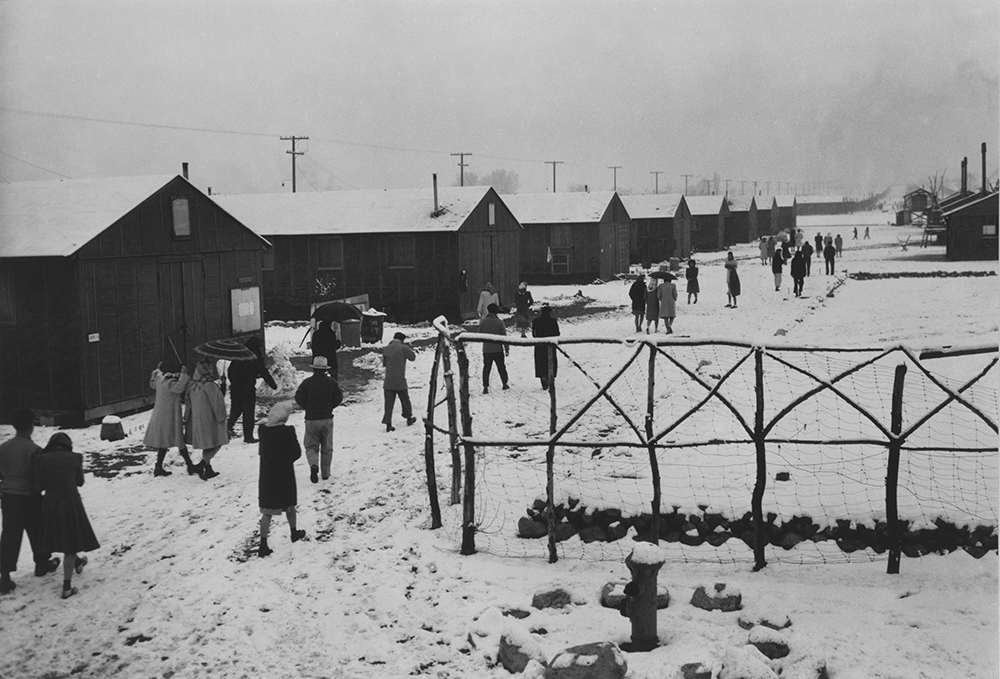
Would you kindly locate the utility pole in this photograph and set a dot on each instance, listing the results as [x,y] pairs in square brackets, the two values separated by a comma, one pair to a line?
[769,188]
[462,165]
[686,176]
[615,168]
[755,187]
[727,187]
[294,153]
[742,182]
[657,174]
[553,163]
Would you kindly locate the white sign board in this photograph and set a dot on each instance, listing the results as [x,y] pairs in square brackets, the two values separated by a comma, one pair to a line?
[246,310]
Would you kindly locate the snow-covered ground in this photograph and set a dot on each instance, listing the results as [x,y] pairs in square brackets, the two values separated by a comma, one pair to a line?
[176,590]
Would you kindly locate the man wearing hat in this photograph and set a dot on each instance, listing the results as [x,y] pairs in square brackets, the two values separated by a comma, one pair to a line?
[243,389]
[395,354]
[318,395]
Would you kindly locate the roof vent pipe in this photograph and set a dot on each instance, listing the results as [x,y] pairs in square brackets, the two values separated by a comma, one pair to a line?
[184,170]
[984,167]
[435,179]
[965,175]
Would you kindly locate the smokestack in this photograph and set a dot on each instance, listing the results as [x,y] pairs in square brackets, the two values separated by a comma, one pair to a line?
[184,170]
[965,175]
[210,190]
[435,177]
[984,167]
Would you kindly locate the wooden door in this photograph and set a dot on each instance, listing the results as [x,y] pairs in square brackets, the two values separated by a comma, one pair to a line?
[181,289]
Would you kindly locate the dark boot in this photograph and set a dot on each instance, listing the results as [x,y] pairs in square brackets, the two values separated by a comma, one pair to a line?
[191,469]
[264,550]
[6,584]
[158,470]
[298,535]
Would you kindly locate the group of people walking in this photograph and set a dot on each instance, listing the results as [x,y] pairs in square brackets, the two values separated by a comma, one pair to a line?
[656,299]
[39,497]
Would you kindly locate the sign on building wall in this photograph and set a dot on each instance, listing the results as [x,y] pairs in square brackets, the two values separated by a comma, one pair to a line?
[246,310]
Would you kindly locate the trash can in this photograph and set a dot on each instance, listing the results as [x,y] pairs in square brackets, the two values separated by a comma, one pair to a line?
[372,326]
[350,333]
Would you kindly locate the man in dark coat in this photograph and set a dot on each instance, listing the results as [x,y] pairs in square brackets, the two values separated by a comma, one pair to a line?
[819,243]
[807,254]
[492,351]
[829,253]
[325,343]
[318,395]
[395,354]
[20,502]
[547,326]
[243,389]
[636,293]
[798,271]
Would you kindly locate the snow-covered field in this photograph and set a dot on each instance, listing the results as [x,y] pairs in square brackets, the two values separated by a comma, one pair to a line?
[175,590]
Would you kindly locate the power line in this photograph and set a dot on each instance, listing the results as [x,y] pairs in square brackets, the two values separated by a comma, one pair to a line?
[22,160]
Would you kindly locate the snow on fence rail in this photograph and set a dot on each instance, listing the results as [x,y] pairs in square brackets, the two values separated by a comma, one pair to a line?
[727,449]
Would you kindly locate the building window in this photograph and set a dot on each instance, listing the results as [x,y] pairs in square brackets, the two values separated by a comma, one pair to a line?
[561,237]
[560,263]
[8,311]
[402,252]
[267,262]
[181,217]
[990,230]
[331,253]
[493,214]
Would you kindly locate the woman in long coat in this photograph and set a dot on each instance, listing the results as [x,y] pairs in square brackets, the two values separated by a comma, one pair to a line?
[166,424]
[276,490]
[544,326]
[732,281]
[666,293]
[522,308]
[486,297]
[205,415]
[637,293]
[652,306]
[693,288]
[65,526]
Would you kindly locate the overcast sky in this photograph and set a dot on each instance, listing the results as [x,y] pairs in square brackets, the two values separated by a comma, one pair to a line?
[858,94]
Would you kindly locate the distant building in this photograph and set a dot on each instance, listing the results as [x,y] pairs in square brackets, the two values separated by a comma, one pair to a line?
[414,259]
[767,215]
[972,229]
[787,218]
[823,205]
[660,227]
[572,237]
[741,227]
[708,222]
[101,279]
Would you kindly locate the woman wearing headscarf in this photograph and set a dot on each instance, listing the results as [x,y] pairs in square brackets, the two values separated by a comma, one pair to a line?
[732,281]
[522,308]
[637,293]
[544,326]
[65,526]
[652,306]
[276,489]
[166,424]
[486,297]
[205,415]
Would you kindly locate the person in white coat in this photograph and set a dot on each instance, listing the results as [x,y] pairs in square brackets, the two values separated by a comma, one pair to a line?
[166,424]
[486,297]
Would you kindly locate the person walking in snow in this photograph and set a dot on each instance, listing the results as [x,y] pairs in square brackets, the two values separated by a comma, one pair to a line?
[763,251]
[807,253]
[522,308]
[732,281]
[277,492]
[666,294]
[486,297]
[544,326]
[828,239]
[65,526]
[637,294]
[21,502]
[692,281]
[395,354]
[318,395]
[494,352]
[855,233]
[819,244]
[866,233]
[777,265]
[324,343]
[798,271]
[243,389]
[652,306]
[165,429]
[829,253]
[205,415]
[838,243]
[770,248]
